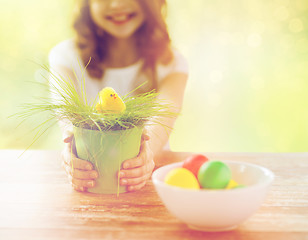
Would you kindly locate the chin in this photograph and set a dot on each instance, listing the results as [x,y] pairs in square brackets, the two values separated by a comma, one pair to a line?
[122,34]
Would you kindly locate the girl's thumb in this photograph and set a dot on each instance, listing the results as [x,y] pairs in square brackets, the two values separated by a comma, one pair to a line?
[67,136]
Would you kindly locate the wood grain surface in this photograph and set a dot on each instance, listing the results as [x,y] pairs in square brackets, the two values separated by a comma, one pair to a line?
[37,202]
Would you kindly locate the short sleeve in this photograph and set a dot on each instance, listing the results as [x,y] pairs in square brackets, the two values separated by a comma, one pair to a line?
[177,65]
[63,54]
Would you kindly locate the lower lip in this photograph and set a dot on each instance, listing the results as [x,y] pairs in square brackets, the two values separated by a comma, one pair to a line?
[121,22]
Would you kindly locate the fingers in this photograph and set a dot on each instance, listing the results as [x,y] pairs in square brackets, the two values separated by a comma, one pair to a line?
[78,163]
[133,163]
[80,180]
[136,172]
[132,173]
[72,160]
[135,167]
[67,136]
[79,185]
[82,184]
[79,189]
[145,137]
[136,187]
[82,176]
[136,178]
[139,160]
[80,172]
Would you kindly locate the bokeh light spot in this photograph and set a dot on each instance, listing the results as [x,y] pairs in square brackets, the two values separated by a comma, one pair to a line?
[296,25]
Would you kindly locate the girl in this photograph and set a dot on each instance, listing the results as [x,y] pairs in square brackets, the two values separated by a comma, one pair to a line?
[127,43]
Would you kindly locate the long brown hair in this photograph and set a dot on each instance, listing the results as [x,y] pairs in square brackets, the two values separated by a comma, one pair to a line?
[153,41]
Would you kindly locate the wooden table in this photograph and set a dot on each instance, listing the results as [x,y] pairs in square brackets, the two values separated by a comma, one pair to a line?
[36,202]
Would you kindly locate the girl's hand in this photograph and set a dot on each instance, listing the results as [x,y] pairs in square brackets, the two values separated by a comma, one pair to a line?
[80,172]
[136,171]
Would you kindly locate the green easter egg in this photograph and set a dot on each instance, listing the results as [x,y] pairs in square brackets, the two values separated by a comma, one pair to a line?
[214,175]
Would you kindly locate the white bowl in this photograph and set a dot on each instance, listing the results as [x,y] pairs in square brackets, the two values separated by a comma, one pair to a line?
[216,210]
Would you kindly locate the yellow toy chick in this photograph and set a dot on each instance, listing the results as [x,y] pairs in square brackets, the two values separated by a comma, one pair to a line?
[109,101]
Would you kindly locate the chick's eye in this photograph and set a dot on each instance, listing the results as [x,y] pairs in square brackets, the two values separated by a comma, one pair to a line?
[110,95]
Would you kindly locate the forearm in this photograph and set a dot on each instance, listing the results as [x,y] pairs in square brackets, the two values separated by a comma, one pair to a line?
[171,90]
[159,134]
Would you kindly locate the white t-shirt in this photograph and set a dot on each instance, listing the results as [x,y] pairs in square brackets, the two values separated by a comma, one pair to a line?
[120,79]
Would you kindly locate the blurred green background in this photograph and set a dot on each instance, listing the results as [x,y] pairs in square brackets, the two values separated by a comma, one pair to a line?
[248,83]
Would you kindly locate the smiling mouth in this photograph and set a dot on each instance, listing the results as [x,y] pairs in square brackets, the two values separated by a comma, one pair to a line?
[120,18]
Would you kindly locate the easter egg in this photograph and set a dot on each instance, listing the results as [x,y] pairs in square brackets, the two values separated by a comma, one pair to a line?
[194,162]
[181,177]
[214,175]
[232,184]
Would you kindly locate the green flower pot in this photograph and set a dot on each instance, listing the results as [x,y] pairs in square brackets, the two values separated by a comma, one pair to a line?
[106,150]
